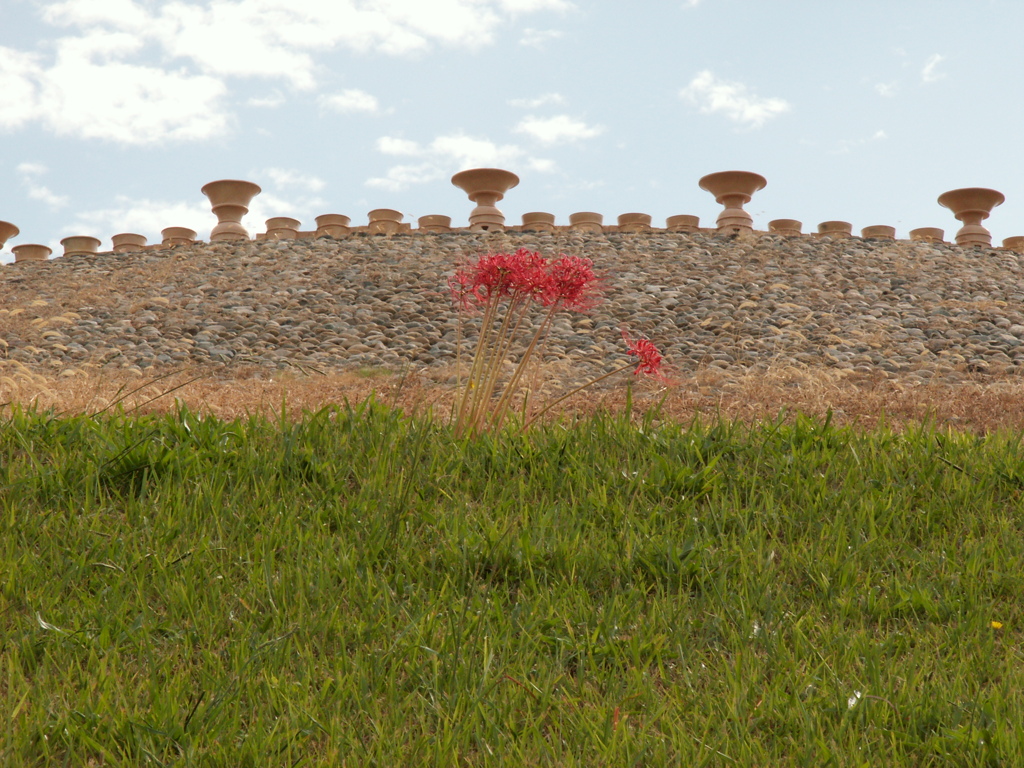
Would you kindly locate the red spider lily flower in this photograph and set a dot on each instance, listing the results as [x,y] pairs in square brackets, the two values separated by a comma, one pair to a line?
[461,286]
[529,273]
[650,358]
[572,284]
[498,275]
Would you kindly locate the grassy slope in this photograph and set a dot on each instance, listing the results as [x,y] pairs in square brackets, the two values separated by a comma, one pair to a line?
[355,588]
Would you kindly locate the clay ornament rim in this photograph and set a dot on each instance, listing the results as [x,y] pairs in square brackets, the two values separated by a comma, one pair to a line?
[726,183]
[971,199]
[494,180]
[230,191]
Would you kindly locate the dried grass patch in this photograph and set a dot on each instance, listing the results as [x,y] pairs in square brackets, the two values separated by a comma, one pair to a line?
[980,405]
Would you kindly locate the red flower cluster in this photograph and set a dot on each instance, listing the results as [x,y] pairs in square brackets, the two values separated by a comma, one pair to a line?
[650,358]
[568,282]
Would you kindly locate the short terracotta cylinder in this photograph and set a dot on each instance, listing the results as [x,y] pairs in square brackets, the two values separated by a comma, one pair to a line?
[878,232]
[485,187]
[80,245]
[384,221]
[835,229]
[682,223]
[173,236]
[128,241]
[972,205]
[786,227]
[7,231]
[229,200]
[538,221]
[586,221]
[634,222]
[1015,243]
[282,228]
[31,252]
[333,225]
[435,223]
[927,235]
[732,189]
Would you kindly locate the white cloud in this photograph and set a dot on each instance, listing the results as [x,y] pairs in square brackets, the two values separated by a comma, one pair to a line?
[142,72]
[392,146]
[351,100]
[30,173]
[469,152]
[928,73]
[31,169]
[272,101]
[557,129]
[18,73]
[277,38]
[448,154]
[143,216]
[89,93]
[540,101]
[845,146]
[888,90]
[148,217]
[284,177]
[401,177]
[539,38]
[732,100]
[541,165]
[532,6]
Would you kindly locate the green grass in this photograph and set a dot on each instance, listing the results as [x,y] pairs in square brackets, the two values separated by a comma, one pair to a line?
[358,588]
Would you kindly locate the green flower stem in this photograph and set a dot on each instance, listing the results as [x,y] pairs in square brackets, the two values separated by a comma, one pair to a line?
[566,396]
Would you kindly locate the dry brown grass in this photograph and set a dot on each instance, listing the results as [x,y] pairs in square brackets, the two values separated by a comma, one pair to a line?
[978,406]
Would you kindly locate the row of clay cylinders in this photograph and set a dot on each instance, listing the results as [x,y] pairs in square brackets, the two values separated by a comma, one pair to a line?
[843,229]
[487,186]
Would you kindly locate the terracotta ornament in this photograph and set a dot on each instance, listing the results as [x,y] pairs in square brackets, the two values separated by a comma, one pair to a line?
[927,235]
[485,187]
[128,241]
[786,227]
[538,221]
[732,189]
[878,232]
[634,222]
[682,223]
[586,221]
[30,252]
[333,225]
[7,231]
[972,205]
[435,223]
[1015,243]
[177,236]
[229,200]
[282,228]
[835,229]
[80,245]
[384,221]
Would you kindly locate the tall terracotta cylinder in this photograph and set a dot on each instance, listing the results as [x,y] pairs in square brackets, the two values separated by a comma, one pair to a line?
[972,205]
[485,187]
[229,200]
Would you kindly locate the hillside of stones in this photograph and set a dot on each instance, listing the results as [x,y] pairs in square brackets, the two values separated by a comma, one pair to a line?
[912,310]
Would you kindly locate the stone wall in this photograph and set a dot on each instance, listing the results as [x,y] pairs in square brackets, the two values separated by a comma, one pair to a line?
[916,310]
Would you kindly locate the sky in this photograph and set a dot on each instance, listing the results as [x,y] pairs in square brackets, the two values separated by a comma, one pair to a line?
[114,113]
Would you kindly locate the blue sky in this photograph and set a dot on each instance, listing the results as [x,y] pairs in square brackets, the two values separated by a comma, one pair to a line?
[115,112]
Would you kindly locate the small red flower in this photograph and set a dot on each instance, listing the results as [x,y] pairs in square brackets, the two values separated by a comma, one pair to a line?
[572,284]
[461,286]
[529,273]
[650,358]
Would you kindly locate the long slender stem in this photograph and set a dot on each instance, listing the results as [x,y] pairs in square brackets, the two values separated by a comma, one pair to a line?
[567,395]
[498,417]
